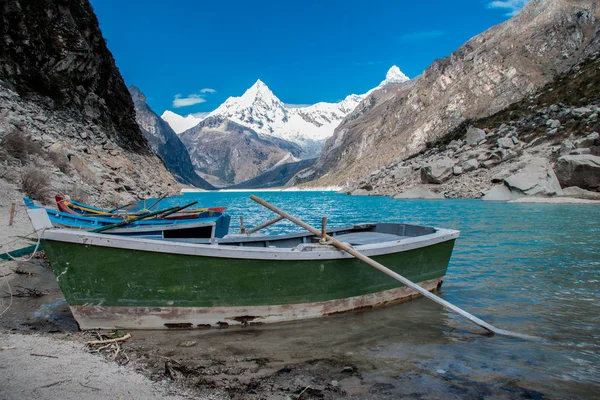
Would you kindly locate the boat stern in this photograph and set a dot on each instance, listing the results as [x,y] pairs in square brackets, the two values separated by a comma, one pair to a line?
[40,220]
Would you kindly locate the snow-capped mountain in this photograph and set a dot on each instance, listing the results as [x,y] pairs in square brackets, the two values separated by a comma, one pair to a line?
[179,123]
[259,109]
[394,75]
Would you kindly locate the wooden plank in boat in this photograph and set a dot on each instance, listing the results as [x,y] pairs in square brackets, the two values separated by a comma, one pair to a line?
[360,238]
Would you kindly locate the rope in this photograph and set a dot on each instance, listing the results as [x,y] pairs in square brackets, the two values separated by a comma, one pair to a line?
[21,217]
[37,245]
[10,301]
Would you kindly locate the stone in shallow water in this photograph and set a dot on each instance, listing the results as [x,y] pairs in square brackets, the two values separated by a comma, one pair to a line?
[419,193]
[500,193]
[360,192]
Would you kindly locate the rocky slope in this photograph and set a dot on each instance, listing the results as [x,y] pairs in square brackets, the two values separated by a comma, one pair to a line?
[278,176]
[545,145]
[165,143]
[66,117]
[226,153]
[489,72]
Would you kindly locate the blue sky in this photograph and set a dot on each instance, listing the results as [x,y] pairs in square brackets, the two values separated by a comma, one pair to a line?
[189,56]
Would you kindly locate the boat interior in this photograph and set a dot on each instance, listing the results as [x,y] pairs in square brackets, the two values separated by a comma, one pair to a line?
[356,235]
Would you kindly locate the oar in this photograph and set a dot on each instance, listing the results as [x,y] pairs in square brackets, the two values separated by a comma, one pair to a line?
[120,207]
[264,225]
[144,216]
[176,209]
[390,273]
[157,201]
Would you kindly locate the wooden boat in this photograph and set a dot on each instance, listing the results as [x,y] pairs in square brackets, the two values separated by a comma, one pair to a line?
[69,206]
[124,282]
[206,225]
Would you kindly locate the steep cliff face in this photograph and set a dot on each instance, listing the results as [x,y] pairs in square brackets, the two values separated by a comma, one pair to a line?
[55,48]
[165,143]
[226,153]
[65,110]
[486,74]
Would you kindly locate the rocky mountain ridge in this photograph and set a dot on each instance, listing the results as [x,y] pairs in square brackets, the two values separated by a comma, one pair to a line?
[226,153]
[491,71]
[277,176]
[165,143]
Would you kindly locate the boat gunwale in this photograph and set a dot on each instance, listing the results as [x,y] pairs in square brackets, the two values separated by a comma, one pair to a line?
[244,252]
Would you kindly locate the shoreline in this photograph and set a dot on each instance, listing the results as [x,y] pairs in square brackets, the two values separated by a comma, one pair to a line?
[279,189]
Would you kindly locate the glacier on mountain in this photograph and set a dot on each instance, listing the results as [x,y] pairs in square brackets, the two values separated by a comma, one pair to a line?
[308,126]
[179,123]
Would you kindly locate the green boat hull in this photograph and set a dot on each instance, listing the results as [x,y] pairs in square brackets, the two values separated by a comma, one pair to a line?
[109,287]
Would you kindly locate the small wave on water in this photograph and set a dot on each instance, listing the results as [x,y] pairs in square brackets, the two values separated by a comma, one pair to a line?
[529,268]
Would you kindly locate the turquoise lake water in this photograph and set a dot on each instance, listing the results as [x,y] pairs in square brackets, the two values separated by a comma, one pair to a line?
[530,268]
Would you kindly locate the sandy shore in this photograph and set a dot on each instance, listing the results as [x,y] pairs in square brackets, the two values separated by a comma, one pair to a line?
[42,367]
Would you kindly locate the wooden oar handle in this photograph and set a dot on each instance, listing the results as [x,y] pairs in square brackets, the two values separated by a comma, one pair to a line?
[264,225]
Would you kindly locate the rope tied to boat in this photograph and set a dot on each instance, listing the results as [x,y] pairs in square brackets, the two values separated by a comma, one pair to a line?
[20,217]
[39,233]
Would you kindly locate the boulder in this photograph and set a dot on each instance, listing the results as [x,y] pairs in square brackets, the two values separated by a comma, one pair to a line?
[501,193]
[470,165]
[579,170]
[505,143]
[457,170]
[566,147]
[401,172]
[588,141]
[491,163]
[552,123]
[582,111]
[584,150]
[474,135]
[82,167]
[455,144]
[536,178]
[438,171]
[420,193]
[359,192]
